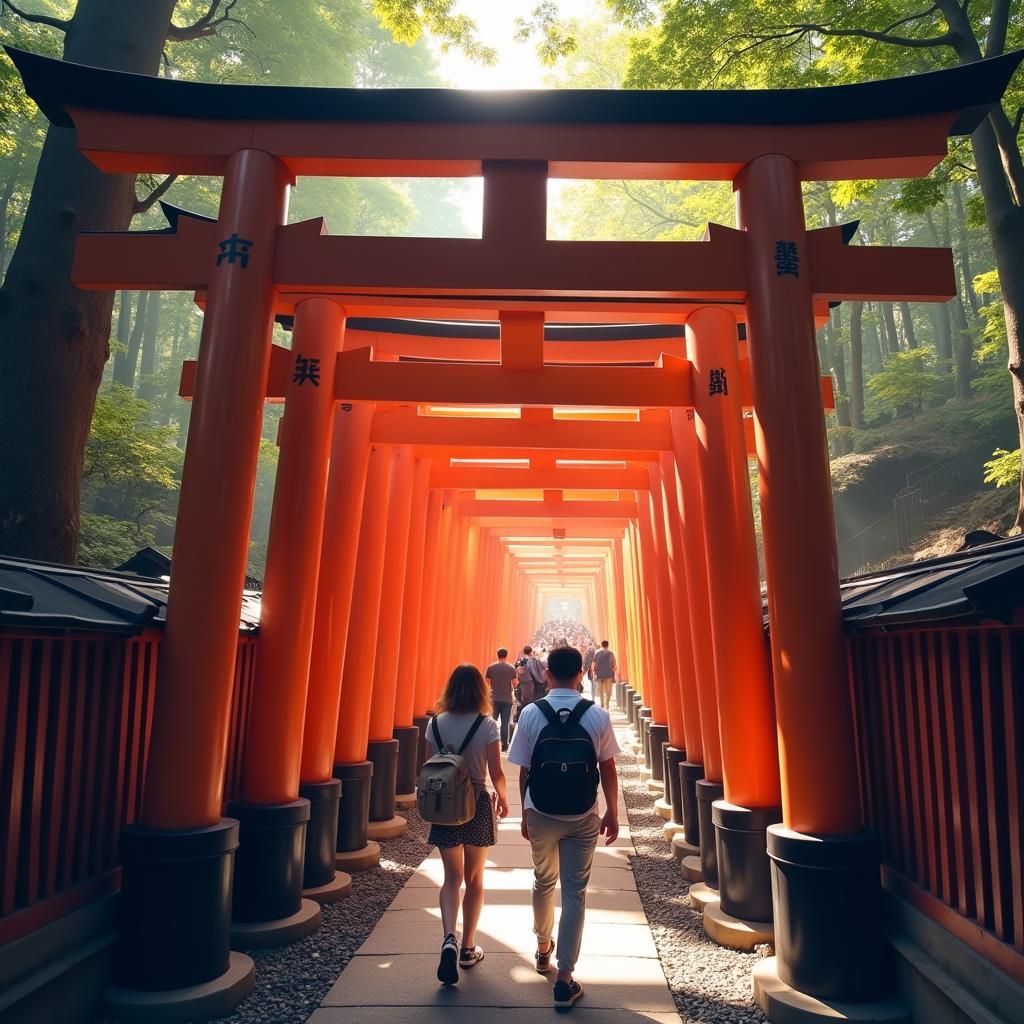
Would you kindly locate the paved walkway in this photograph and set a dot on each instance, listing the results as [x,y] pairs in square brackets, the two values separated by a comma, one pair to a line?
[392,977]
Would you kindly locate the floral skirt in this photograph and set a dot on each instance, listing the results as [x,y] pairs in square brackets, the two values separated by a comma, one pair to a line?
[478,831]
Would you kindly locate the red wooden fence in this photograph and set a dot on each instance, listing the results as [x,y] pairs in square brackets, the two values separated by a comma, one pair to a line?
[73,745]
[940,721]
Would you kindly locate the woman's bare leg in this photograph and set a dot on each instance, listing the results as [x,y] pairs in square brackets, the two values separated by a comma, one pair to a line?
[475,858]
[452,859]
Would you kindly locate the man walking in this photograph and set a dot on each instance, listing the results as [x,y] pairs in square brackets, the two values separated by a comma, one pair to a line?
[588,669]
[563,744]
[501,675]
[530,675]
[605,667]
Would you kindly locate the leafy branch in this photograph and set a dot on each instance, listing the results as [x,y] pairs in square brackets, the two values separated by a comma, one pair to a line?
[142,205]
[218,13]
[61,24]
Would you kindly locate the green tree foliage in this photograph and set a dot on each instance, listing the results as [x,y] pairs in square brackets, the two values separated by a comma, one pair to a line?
[130,480]
[907,382]
[300,42]
[1003,469]
[406,20]
[946,359]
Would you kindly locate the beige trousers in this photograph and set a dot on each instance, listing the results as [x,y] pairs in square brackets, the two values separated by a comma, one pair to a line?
[563,851]
[604,692]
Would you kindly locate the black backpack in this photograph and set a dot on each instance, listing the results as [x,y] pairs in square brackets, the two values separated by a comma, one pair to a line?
[563,770]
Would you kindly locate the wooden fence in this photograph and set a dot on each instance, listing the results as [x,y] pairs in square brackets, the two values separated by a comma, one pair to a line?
[73,748]
[940,722]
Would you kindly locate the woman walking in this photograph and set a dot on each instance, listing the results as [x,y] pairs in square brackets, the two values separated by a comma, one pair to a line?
[465,706]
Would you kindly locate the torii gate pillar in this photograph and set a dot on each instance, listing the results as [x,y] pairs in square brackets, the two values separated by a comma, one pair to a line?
[180,856]
[268,905]
[735,815]
[825,867]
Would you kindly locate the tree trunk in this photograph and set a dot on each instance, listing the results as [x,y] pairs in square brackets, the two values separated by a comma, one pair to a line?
[907,321]
[124,332]
[963,350]
[1006,227]
[838,355]
[825,348]
[147,363]
[964,247]
[856,366]
[943,335]
[131,358]
[892,339]
[54,338]
[176,340]
[876,361]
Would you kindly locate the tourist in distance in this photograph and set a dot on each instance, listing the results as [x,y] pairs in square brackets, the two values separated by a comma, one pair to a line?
[605,668]
[463,724]
[563,746]
[588,668]
[531,677]
[502,677]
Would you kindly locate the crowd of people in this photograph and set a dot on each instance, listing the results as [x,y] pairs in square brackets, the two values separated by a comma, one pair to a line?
[599,664]
[562,633]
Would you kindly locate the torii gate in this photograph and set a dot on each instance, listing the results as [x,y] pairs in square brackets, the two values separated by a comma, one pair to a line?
[771,273]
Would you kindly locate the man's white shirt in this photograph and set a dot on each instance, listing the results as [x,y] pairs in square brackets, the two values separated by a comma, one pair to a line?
[595,720]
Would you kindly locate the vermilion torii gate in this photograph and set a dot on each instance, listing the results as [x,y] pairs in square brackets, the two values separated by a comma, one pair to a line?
[369,509]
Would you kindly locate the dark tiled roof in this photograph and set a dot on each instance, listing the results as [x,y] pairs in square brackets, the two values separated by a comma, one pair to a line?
[984,582]
[39,595]
[968,88]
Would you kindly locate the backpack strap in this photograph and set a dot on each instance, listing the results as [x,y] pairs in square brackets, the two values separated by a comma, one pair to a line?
[472,732]
[579,710]
[548,711]
[437,735]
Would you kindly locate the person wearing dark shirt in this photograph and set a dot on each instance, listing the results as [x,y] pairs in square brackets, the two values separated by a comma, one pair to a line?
[502,676]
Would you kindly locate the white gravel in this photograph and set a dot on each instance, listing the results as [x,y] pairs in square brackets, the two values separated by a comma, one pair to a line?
[291,980]
[710,984]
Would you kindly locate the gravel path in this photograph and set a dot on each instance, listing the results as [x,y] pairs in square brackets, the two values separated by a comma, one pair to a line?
[291,980]
[710,985]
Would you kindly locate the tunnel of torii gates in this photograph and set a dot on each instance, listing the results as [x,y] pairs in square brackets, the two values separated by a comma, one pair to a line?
[504,419]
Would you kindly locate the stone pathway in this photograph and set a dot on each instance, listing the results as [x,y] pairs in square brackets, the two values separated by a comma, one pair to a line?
[391,979]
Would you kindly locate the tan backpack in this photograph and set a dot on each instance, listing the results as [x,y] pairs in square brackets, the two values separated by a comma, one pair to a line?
[444,791]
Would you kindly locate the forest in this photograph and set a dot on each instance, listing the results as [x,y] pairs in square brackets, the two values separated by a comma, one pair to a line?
[926,437]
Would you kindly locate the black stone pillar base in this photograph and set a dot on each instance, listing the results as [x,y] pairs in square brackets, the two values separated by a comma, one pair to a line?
[421,741]
[744,872]
[829,934]
[270,861]
[707,793]
[644,727]
[354,806]
[321,831]
[383,754]
[408,768]
[674,757]
[690,773]
[187,874]
[658,740]
[636,703]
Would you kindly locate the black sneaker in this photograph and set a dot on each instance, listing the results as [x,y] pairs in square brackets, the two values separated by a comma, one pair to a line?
[448,968]
[566,993]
